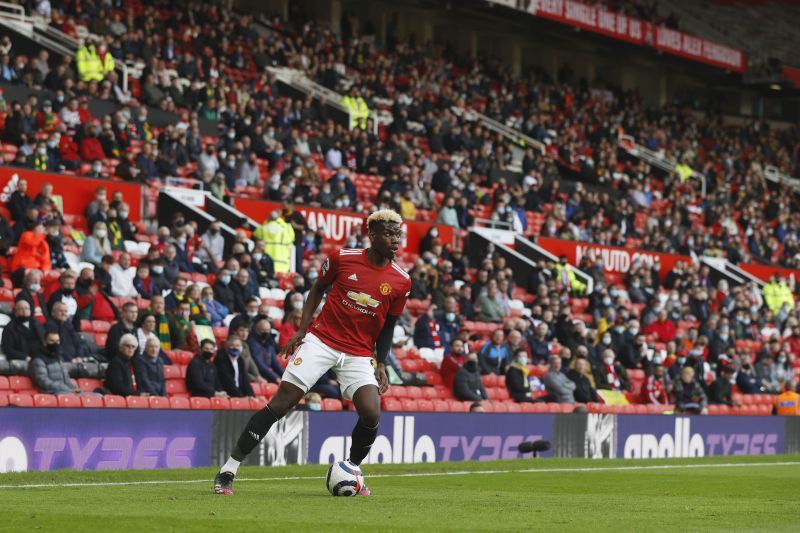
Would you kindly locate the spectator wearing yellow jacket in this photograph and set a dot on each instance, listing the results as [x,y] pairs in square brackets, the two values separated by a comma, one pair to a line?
[278,237]
[567,278]
[359,111]
[777,293]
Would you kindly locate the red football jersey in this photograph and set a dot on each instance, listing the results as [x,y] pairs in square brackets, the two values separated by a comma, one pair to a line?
[360,298]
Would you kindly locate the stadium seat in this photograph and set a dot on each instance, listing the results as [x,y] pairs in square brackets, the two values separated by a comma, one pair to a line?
[408,404]
[112,401]
[3,399]
[513,407]
[68,400]
[258,404]
[240,403]
[158,402]
[45,400]
[331,404]
[92,401]
[20,399]
[176,386]
[137,402]
[199,402]
[424,405]
[100,326]
[269,389]
[441,406]
[172,371]
[180,402]
[390,404]
[89,384]
[433,377]
[4,384]
[20,383]
[489,381]
[220,403]
[413,392]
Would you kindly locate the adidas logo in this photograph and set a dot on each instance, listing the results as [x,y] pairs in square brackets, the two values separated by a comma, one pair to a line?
[353,277]
[255,435]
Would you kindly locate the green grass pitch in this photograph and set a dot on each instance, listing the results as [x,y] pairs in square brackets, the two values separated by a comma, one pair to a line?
[710,494]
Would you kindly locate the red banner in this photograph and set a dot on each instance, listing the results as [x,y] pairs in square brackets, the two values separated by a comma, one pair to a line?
[76,193]
[617,262]
[339,225]
[618,26]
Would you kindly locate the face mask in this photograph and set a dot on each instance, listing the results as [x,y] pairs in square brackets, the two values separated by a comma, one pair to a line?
[123,215]
[158,269]
[214,231]
[51,144]
[23,319]
[101,233]
[182,241]
[314,407]
[53,349]
[723,336]
[608,360]
[450,317]
[471,365]
[522,360]
[681,360]
[606,301]
[231,163]
[345,202]
[234,352]
[619,329]
[252,314]
[297,173]
[42,150]
[607,339]
[207,355]
[185,315]
[225,279]
[312,275]
[231,134]
[257,257]
[634,331]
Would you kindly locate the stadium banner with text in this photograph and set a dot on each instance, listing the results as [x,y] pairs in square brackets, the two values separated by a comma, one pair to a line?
[643,436]
[429,437]
[76,192]
[285,444]
[617,261]
[103,439]
[636,31]
[339,225]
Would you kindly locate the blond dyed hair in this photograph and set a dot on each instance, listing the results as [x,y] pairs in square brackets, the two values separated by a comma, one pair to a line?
[384,216]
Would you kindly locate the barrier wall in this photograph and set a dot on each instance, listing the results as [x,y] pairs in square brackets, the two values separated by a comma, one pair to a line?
[106,439]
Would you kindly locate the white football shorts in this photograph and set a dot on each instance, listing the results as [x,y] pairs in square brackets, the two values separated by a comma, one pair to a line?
[314,358]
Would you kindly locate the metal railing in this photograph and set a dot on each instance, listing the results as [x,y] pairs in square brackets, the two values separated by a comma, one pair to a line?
[515,136]
[773,174]
[664,162]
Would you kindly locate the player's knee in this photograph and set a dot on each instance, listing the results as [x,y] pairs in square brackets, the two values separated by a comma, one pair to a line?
[370,418]
[285,398]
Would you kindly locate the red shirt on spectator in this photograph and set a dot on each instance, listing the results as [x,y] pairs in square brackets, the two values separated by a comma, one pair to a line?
[91,149]
[68,149]
[663,329]
[654,391]
[450,365]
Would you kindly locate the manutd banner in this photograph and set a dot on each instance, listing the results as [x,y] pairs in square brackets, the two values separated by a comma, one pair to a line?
[618,26]
[617,261]
[338,225]
[103,439]
[75,192]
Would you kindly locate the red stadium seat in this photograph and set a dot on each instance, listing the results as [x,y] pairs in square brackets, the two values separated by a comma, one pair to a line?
[3,399]
[269,389]
[490,380]
[424,405]
[45,400]
[240,403]
[112,401]
[20,383]
[180,402]
[20,399]
[159,402]
[176,386]
[457,406]
[331,404]
[513,407]
[256,388]
[258,404]
[172,371]
[100,326]
[441,406]
[89,384]
[199,402]
[433,377]
[430,393]
[92,401]
[68,400]
[220,403]
[408,404]
[499,407]
[4,384]
[390,404]
[413,392]
[137,402]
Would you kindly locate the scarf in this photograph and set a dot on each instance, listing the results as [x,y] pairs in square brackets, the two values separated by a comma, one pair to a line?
[163,333]
[611,376]
[522,368]
[115,235]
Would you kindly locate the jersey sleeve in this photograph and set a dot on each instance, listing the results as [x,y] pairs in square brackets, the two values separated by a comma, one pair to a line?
[329,270]
[400,300]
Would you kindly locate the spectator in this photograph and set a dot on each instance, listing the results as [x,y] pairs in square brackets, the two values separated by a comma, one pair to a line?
[122,275]
[721,392]
[290,327]
[581,376]
[767,374]
[65,293]
[494,355]
[213,244]
[746,379]
[168,330]
[540,347]
[56,243]
[246,318]
[517,378]
[264,350]
[215,309]
[149,369]
[663,328]
[32,251]
[557,383]
[32,293]
[655,387]
[223,291]
[610,375]
[72,349]
[121,373]
[96,245]
[22,336]
[241,290]
[688,394]
[125,325]
[467,384]
[231,370]
[788,402]
[201,374]
[490,306]
[48,372]
[20,202]
[427,331]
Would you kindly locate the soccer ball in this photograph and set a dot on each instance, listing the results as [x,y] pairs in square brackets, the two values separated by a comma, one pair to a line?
[344,479]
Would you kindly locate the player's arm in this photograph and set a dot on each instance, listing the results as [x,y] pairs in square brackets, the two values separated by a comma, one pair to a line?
[382,347]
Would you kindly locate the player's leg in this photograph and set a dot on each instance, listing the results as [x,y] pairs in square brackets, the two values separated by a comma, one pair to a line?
[367,401]
[308,364]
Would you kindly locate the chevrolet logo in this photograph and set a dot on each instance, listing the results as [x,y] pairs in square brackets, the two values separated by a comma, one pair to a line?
[363,299]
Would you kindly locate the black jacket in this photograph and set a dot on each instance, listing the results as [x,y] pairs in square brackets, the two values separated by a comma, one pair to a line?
[201,378]
[114,335]
[119,379]
[720,392]
[467,386]
[601,379]
[71,343]
[240,296]
[584,392]
[150,375]
[21,342]
[34,300]
[227,378]
[518,387]
[224,294]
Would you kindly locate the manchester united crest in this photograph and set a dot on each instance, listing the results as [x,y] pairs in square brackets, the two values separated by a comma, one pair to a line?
[385,288]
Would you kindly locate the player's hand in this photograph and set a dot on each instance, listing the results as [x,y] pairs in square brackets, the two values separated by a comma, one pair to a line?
[293,344]
[383,380]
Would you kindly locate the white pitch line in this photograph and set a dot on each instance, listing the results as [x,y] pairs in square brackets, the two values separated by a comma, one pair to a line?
[412,474]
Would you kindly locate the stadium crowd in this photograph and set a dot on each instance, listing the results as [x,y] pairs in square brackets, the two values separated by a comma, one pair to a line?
[659,337]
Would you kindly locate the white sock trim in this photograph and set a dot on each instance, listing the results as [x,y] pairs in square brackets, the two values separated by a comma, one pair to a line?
[231,465]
